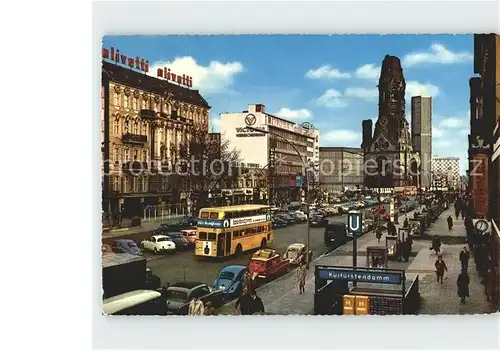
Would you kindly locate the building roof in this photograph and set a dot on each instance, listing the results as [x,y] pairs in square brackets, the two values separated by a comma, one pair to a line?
[109,260]
[142,81]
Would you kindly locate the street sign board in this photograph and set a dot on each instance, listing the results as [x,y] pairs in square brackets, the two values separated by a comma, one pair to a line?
[361,275]
[355,222]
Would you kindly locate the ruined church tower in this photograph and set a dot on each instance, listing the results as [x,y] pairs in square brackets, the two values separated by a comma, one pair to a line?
[389,152]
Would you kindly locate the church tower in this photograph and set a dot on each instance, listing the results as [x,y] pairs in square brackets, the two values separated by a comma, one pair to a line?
[389,160]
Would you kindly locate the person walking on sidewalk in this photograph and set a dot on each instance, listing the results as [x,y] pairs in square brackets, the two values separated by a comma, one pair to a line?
[244,303]
[196,307]
[405,223]
[301,277]
[436,245]
[490,280]
[463,285]
[450,222]
[464,258]
[256,304]
[457,209]
[440,268]
[378,233]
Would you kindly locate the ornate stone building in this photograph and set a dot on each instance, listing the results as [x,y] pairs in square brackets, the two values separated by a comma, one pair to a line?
[145,121]
[389,157]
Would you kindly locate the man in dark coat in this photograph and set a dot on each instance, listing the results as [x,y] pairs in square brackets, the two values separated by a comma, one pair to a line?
[464,258]
[244,303]
[436,244]
[391,228]
[405,250]
[440,268]
[405,223]
[463,285]
[450,222]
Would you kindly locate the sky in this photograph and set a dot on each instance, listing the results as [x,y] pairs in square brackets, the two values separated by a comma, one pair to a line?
[329,81]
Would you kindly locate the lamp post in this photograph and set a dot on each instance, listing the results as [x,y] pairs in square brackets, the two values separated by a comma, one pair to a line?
[308,238]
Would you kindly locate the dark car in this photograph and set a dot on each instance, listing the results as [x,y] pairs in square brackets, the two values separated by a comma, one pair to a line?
[126,246]
[278,223]
[335,234]
[289,220]
[185,223]
[318,220]
[178,296]
[179,240]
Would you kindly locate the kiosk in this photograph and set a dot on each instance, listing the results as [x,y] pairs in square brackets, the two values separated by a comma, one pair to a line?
[377,292]
[376,257]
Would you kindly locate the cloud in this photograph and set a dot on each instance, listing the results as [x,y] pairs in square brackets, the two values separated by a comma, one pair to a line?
[414,88]
[214,124]
[287,113]
[437,54]
[343,137]
[214,78]
[327,72]
[437,132]
[362,93]
[369,71]
[453,122]
[332,99]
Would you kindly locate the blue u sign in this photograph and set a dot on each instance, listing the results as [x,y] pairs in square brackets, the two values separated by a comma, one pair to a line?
[355,223]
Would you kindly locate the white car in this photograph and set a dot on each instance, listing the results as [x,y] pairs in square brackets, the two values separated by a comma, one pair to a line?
[158,244]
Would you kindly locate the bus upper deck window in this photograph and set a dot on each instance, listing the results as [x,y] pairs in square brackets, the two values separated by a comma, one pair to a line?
[214,215]
[204,215]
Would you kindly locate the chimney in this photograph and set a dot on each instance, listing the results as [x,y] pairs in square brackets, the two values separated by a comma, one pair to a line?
[367,127]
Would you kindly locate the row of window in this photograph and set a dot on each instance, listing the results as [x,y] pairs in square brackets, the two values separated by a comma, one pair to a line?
[129,154]
[235,233]
[130,184]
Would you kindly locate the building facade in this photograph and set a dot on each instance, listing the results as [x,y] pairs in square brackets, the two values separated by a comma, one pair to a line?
[281,150]
[341,169]
[390,160]
[145,121]
[421,135]
[445,172]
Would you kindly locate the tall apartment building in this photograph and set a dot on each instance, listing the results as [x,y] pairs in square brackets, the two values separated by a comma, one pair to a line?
[445,172]
[421,135]
[145,121]
[341,168]
[281,149]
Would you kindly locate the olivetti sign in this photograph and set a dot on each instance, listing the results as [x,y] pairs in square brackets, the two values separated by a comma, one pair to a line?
[478,144]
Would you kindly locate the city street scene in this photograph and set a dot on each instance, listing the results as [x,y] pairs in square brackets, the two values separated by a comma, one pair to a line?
[300,175]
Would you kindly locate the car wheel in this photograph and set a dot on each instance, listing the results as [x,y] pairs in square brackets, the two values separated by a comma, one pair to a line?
[155,251]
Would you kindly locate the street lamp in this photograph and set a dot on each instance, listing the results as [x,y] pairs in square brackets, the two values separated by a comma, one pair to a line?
[308,245]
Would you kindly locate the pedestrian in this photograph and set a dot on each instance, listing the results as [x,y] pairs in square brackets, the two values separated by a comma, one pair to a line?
[399,250]
[248,281]
[440,268]
[378,234]
[436,245]
[210,310]
[243,303]
[490,280]
[463,285]
[301,277]
[450,222]
[256,304]
[457,210]
[405,223]
[462,213]
[196,307]
[464,258]
[405,250]
[391,228]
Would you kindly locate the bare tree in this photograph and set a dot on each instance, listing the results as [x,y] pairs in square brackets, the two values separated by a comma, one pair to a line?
[200,163]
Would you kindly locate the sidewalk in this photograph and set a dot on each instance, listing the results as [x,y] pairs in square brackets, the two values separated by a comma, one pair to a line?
[281,296]
[440,226]
[146,226]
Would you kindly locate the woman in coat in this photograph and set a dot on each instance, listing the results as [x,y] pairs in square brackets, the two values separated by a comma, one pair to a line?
[440,268]
[301,277]
[463,285]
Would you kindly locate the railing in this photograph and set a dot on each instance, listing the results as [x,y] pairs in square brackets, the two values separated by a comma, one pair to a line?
[134,138]
[149,114]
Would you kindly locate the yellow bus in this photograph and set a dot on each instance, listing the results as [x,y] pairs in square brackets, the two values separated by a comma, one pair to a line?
[231,230]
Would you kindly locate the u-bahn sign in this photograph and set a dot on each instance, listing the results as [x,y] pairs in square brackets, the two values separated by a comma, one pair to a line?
[355,223]
[361,275]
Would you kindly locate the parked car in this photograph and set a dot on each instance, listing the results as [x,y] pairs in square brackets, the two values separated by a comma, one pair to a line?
[230,281]
[278,223]
[267,264]
[185,223]
[158,244]
[181,243]
[332,211]
[286,218]
[299,216]
[126,246]
[179,295]
[318,220]
[335,234]
[190,235]
[295,252]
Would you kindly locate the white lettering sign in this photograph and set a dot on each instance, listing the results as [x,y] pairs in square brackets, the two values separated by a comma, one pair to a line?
[242,132]
[247,220]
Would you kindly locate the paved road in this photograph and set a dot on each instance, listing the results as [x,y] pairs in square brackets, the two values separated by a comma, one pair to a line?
[176,267]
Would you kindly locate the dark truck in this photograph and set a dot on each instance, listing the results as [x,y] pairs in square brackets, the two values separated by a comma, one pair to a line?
[123,272]
[335,234]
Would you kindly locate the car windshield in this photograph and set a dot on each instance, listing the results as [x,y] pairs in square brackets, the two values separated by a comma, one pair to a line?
[176,295]
[226,275]
[163,239]
[132,245]
[293,249]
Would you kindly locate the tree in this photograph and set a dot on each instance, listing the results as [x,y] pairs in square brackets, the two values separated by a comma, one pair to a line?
[200,163]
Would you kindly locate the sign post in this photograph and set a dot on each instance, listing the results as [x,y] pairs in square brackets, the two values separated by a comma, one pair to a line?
[355,227]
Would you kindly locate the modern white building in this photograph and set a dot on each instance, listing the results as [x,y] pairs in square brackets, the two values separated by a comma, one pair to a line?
[283,149]
[445,172]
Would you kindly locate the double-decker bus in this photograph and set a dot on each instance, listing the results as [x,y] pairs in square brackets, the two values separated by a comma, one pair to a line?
[231,230]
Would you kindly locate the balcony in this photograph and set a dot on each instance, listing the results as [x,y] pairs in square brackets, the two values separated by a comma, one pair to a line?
[135,167]
[148,114]
[130,138]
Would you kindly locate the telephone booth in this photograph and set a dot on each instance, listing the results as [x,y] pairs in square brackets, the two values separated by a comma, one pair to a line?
[376,257]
